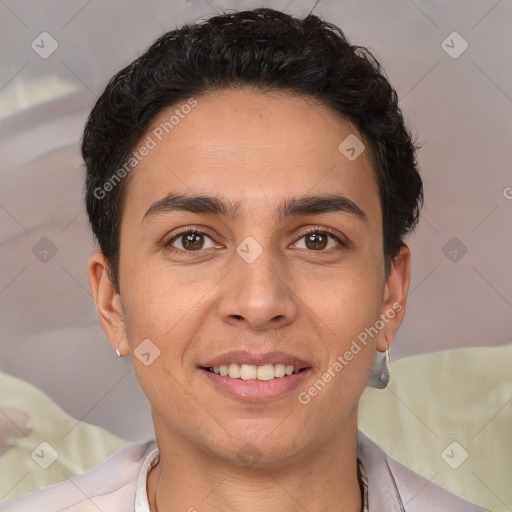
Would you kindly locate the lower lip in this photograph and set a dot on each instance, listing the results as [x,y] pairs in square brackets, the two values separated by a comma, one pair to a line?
[257,390]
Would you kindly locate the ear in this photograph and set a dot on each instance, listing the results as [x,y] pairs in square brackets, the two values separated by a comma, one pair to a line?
[108,303]
[395,297]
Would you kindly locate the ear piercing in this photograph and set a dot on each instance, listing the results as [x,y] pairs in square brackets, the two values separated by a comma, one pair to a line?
[380,376]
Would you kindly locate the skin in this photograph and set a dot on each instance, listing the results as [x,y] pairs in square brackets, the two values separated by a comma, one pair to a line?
[311,300]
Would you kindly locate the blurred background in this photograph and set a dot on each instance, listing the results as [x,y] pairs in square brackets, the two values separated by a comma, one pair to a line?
[451,68]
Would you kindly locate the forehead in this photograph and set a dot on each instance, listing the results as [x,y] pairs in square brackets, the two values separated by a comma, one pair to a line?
[254,147]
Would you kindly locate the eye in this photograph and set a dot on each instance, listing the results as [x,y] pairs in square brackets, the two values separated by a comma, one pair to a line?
[317,239]
[190,240]
[194,240]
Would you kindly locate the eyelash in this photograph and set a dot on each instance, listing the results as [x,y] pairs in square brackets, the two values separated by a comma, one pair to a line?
[316,229]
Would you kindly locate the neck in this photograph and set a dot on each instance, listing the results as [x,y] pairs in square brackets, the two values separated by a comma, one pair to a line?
[321,478]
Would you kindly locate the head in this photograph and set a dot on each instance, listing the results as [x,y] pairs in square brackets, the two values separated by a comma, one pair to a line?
[250,183]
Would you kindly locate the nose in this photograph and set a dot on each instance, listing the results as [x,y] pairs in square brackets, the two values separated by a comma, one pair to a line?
[258,294]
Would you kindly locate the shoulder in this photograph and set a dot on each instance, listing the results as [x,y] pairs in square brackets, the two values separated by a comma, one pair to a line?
[109,486]
[391,485]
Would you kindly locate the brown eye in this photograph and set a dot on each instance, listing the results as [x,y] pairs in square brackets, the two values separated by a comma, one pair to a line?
[319,240]
[316,241]
[192,240]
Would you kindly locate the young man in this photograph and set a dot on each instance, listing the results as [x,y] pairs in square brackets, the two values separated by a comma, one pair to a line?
[250,182]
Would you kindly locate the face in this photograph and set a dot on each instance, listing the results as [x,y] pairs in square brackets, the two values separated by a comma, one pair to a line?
[279,264]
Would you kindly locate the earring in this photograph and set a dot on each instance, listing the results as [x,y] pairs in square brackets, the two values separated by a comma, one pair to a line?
[379,378]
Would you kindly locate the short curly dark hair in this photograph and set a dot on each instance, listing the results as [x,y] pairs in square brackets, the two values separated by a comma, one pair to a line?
[269,50]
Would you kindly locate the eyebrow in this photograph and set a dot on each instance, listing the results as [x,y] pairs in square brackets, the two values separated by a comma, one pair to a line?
[290,207]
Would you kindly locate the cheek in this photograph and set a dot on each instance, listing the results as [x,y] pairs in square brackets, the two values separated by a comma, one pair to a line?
[350,353]
[164,314]
[351,299]
[348,309]
[167,307]
[154,298]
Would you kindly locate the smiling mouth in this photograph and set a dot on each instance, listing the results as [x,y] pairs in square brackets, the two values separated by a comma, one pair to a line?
[250,372]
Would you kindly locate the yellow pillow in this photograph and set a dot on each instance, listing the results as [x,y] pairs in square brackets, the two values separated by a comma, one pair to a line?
[448,416]
[40,444]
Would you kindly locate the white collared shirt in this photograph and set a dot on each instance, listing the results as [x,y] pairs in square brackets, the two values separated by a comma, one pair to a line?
[141,494]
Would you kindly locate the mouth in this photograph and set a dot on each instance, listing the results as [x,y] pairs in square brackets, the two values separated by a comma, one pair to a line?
[255,378]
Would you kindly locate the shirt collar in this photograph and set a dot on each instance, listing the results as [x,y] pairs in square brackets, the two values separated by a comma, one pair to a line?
[141,494]
[362,476]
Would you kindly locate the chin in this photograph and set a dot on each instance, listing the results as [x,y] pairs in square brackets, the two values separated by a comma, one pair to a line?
[259,449]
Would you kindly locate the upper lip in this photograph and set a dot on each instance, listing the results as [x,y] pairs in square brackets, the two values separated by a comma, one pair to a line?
[246,357]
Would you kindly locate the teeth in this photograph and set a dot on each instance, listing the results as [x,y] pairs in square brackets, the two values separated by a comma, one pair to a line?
[279,370]
[253,372]
[265,372]
[248,371]
[234,371]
